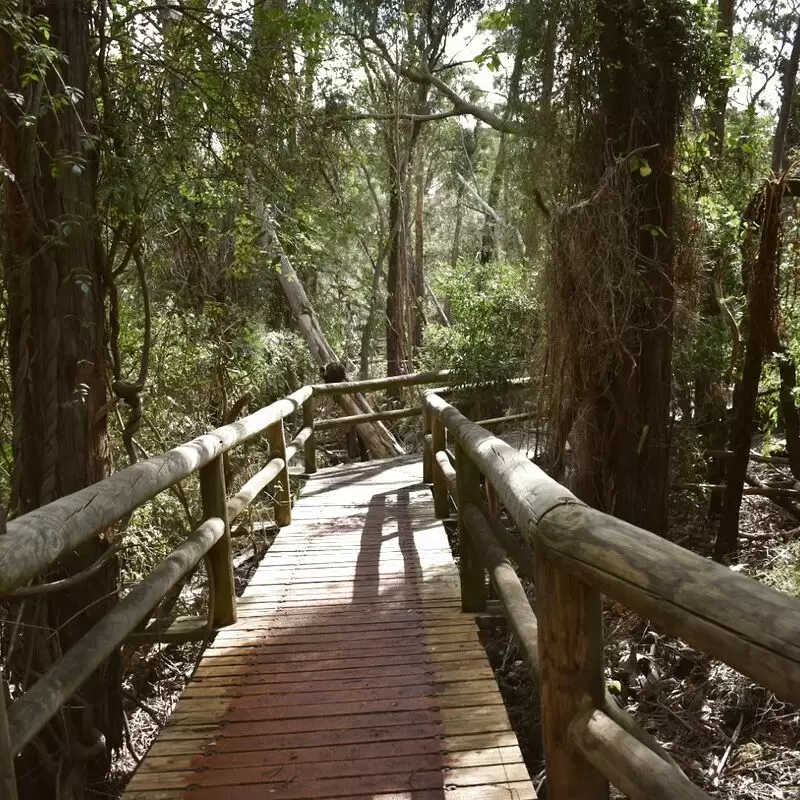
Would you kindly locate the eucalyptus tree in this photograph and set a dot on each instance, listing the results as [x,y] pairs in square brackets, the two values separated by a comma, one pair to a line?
[395,41]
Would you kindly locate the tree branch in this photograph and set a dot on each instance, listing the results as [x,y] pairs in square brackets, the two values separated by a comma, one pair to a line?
[460,105]
[403,115]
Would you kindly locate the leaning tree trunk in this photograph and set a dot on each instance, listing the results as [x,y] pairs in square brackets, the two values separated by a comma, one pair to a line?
[376,436]
[761,304]
[53,260]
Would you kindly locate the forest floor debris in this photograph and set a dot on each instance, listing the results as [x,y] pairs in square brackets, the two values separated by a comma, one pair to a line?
[730,736]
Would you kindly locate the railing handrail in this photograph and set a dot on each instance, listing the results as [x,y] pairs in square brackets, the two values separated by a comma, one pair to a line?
[37,539]
[34,541]
[579,553]
[654,576]
[377,384]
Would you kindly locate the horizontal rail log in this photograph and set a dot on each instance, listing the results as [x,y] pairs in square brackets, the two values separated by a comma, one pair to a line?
[377,384]
[37,539]
[633,768]
[757,457]
[448,391]
[522,618]
[752,627]
[178,631]
[521,554]
[509,590]
[337,422]
[248,493]
[758,491]
[31,712]
[298,442]
[748,625]
[488,423]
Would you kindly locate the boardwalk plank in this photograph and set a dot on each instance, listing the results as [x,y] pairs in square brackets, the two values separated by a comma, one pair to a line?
[352,672]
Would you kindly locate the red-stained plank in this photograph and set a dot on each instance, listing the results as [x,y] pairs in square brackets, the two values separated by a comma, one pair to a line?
[351,673]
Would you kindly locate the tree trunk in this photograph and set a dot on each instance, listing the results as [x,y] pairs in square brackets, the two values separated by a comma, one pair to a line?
[369,325]
[455,250]
[489,236]
[417,286]
[789,412]
[761,335]
[719,100]
[617,380]
[376,436]
[54,262]
[397,281]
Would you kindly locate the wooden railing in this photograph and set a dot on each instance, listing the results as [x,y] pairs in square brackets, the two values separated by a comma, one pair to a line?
[35,541]
[574,555]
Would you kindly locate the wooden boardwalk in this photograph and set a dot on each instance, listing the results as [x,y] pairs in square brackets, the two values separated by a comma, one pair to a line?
[351,673]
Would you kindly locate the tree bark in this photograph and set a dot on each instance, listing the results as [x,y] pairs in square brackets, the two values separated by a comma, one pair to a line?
[54,261]
[369,325]
[455,249]
[719,101]
[396,283]
[761,338]
[638,464]
[616,377]
[417,282]
[489,236]
[789,412]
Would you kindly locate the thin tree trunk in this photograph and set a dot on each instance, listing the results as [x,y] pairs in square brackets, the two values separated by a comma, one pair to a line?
[455,250]
[761,335]
[54,271]
[489,236]
[719,103]
[396,283]
[369,325]
[789,412]
[418,275]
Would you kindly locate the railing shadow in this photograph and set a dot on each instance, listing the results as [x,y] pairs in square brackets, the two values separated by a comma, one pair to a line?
[333,697]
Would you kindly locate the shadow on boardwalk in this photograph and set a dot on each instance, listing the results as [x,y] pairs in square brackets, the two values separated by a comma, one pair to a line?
[351,672]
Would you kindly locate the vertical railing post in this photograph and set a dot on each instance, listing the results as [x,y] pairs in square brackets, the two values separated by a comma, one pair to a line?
[473,574]
[8,780]
[220,557]
[569,613]
[492,500]
[441,502]
[282,499]
[427,444]
[310,451]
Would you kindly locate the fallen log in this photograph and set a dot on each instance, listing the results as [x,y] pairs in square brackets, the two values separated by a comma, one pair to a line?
[375,435]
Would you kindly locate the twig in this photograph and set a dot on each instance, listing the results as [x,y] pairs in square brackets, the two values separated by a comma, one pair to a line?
[724,760]
[151,712]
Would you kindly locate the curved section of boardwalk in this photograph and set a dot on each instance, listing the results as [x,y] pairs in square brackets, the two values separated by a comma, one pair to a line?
[351,673]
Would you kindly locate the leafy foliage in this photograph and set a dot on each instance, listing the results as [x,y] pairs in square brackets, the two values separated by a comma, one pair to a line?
[494,323]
